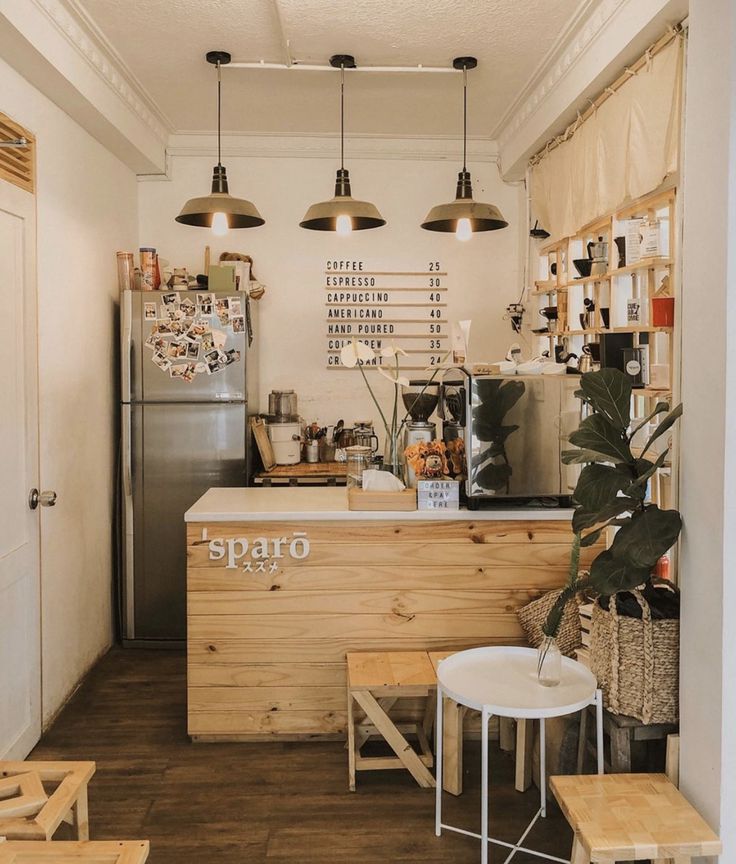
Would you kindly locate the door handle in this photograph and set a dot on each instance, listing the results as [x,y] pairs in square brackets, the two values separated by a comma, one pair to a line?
[45,499]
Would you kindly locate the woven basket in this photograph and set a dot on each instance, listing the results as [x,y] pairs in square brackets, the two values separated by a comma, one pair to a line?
[636,662]
[534,614]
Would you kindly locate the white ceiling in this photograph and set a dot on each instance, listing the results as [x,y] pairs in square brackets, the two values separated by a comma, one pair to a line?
[163,42]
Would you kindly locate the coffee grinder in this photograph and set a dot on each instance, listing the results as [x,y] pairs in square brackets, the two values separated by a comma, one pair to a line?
[420,400]
[451,410]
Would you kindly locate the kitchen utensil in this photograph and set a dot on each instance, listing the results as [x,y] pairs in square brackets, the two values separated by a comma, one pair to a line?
[286,441]
[583,265]
[282,406]
[311,451]
[549,312]
[420,399]
[358,460]
[634,359]
[586,360]
[148,268]
[598,254]
[344,437]
[365,436]
[605,317]
[126,269]
[538,233]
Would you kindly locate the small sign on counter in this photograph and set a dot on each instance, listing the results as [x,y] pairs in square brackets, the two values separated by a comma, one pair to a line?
[438,495]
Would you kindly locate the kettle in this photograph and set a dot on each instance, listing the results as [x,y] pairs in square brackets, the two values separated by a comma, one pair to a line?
[598,254]
[587,363]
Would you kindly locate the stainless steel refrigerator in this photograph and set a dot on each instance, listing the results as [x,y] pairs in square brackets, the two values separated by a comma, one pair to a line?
[189,383]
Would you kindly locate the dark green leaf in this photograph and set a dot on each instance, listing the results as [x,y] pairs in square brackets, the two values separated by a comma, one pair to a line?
[668,421]
[647,537]
[493,434]
[609,392]
[497,398]
[609,574]
[492,476]
[598,485]
[582,518]
[660,408]
[579,457]
[592,538]
[638,487]
[598,434]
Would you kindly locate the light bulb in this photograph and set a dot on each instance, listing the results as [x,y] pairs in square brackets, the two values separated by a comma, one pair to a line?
[219,224]
[463,230]
[344,225]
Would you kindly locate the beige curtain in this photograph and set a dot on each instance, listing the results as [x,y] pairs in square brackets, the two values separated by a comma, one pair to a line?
[625,149]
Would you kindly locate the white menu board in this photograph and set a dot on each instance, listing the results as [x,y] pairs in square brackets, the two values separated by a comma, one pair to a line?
[404,308]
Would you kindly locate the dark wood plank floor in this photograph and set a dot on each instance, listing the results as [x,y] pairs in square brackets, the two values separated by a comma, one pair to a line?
[272,802]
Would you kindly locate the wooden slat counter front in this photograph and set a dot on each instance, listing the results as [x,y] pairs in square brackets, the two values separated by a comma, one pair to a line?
[282,582]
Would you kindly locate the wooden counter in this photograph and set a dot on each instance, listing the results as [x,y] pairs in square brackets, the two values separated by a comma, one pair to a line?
[281,583]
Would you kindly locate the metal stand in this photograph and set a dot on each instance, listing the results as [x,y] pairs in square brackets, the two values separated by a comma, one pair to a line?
[483,836]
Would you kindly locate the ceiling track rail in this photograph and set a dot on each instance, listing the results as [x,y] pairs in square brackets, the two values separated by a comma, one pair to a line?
[295,66]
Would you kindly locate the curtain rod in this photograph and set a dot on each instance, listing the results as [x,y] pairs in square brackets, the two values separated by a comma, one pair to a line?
[629,72]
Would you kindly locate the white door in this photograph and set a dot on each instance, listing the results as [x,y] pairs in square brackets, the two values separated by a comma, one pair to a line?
[20,601]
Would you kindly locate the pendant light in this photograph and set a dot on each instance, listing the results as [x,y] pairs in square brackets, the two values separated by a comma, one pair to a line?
[464,216]
[342,213]
[219,210]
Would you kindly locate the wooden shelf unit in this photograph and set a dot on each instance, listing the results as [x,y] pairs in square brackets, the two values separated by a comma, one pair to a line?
[640,280]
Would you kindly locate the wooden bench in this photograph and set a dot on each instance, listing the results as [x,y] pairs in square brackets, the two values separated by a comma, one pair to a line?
[376,681]
[631,817]
[96,852]
[36,797]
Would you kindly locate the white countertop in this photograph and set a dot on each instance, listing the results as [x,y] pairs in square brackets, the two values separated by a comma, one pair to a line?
[282,504]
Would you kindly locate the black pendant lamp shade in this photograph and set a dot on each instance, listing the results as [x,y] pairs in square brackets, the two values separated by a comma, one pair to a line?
[464,216]
[342,213]
[219,210]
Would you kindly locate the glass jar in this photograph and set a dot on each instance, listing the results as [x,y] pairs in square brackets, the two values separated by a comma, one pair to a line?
[125,271]
[358,459]
[549,662]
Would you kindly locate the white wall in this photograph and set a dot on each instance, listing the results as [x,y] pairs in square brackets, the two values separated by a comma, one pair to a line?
[484,272]
[708,472]
[86,204]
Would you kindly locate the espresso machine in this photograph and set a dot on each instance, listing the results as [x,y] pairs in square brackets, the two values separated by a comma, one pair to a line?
[420,400]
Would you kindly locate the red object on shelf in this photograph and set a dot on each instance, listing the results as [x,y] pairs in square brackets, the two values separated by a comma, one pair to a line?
[663,311]
[662,568]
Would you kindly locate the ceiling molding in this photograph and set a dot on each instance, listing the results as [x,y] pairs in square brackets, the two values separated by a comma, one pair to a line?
[446,148]
[584,27]
[87,39]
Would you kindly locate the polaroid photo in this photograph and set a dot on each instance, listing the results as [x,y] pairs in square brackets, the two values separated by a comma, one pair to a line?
[176,350]
[201,368]
[198,329]
[203,299]
[219,338]
[193,351]
[178,370]
[205,308]
[232,356]
[238,323]
[189,373]
[149,312]
[220,305]
[224,318]
[169,299]
[156,343]
[161,361]
[188,307]
[208,343]
[177,328]
[163,325]
[233,305]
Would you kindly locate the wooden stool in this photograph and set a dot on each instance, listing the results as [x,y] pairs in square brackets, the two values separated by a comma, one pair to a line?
[376,681]
[36,797]
[622,732]
[97,852]
[453,717]
[631,817]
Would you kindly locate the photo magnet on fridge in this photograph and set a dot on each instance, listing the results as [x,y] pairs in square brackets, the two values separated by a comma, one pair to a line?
[149,312]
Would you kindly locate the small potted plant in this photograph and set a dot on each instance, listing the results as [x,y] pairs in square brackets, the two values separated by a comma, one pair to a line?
[611,492]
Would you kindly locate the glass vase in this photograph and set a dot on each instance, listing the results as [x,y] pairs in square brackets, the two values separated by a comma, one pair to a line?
[392,457]
[549,662]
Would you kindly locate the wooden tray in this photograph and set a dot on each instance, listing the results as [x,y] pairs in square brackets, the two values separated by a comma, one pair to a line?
[263,442]
[359,499]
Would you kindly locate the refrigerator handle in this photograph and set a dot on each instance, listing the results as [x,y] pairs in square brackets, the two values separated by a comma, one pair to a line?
[128,587]
[127,447]
[126,343]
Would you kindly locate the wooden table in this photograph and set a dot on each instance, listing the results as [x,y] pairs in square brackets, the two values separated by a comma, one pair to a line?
[304,474]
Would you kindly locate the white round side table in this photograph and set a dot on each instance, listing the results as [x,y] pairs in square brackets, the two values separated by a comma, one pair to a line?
[502,681]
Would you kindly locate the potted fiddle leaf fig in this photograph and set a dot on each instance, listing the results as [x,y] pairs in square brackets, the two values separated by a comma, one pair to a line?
[612,492]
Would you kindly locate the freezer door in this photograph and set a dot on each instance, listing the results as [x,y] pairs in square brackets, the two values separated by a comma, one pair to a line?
[150,382]
[178,452]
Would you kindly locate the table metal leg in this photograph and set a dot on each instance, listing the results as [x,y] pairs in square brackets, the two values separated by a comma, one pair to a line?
[439,732]
[599,728]
[542,769]
[484,789]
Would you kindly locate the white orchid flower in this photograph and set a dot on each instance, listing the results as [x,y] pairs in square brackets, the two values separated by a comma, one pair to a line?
[355,352]
[392,351]
[394,379]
